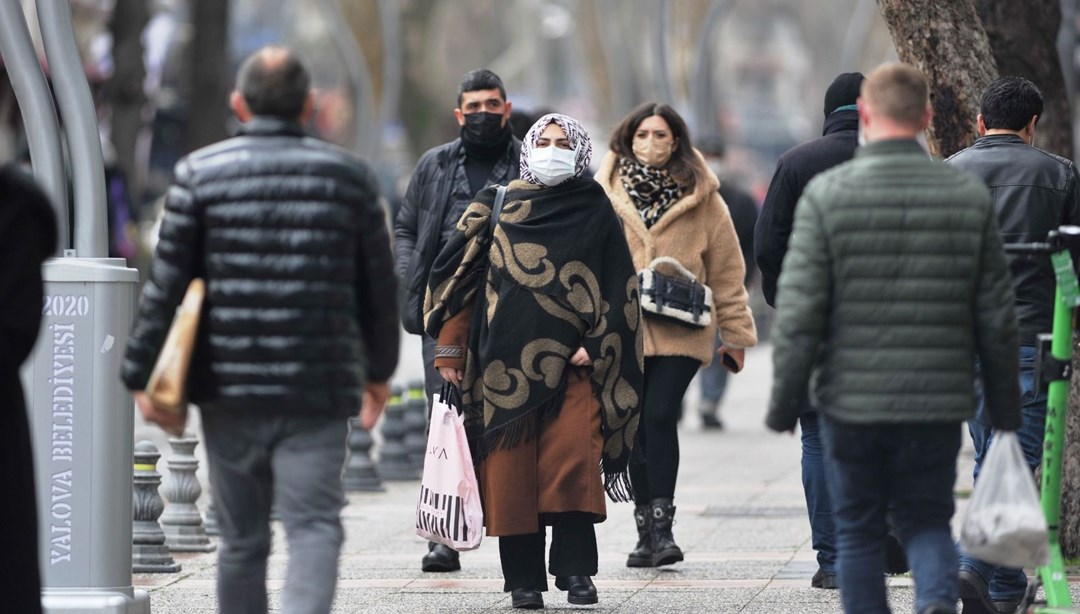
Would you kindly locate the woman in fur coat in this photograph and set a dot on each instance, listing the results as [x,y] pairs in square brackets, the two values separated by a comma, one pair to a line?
[667,198]
[537,319]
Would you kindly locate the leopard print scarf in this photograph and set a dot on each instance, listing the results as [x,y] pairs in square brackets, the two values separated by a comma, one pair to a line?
[651,189]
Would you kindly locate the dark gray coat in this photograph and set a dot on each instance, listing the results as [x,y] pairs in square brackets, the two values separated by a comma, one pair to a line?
[894,282]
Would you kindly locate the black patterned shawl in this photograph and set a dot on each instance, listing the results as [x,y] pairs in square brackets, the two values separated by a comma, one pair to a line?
[557,276]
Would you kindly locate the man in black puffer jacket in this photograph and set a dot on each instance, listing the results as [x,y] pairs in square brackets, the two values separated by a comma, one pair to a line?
[442,186]
[300,316]
[1034,192]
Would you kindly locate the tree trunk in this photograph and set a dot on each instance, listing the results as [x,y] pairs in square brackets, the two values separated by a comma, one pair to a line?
[1069,524]
[1023,36]
[125,90]
[945,40]
[208,74]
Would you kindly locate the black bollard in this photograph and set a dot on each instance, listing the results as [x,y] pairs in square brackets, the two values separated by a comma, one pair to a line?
[360,472]
[148,551]
[416,416]
[393,456]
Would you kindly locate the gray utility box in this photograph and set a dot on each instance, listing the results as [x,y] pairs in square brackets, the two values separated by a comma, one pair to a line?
[82,420]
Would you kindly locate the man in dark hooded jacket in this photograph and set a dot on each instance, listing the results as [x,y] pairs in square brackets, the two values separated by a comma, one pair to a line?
[27,238]
[795,169]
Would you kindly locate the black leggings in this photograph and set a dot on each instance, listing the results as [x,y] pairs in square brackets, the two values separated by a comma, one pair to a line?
[666,379]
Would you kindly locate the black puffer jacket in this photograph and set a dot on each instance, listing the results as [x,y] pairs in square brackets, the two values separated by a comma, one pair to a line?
[1034,192]
[301,293]
[418,229]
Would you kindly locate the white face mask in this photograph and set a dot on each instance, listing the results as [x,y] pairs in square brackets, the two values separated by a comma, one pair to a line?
[552,165]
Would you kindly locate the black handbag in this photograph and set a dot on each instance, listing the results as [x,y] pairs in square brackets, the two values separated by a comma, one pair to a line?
[678,298]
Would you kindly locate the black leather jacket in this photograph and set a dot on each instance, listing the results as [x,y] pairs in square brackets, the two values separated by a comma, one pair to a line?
[301,293]
[419,226]
[1034,192]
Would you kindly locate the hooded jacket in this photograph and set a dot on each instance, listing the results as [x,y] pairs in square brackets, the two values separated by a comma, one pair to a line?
[795,169]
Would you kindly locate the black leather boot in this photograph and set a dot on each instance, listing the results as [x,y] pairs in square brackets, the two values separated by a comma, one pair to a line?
[664,549]
[642,554]
[580,590]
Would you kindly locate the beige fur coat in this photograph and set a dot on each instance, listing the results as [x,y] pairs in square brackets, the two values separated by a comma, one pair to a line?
[697,231]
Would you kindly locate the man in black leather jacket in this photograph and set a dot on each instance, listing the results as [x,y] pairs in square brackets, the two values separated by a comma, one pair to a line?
[1034,192]
[300,318]
[442,187]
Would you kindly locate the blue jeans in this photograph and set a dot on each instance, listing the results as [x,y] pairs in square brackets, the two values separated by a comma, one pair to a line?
[1006,583]
[295,461]
[713,383]
[818,504]
[908,471]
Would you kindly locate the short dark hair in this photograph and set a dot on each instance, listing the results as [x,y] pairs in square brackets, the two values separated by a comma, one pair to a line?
[1009,103]
[684,166]
[275,82]
[479,79]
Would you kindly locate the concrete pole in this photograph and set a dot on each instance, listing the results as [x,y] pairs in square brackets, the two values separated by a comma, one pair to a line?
[80,126]
[37,110]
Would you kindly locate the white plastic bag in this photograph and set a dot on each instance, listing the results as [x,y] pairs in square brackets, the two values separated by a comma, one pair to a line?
[1005,523]
[449,510]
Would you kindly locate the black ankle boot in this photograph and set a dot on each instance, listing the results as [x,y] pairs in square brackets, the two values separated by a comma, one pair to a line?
[580,590]
[642,554]
[664,549]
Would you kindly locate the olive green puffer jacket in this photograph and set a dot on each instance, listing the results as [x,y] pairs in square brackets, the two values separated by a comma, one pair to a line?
[894,282]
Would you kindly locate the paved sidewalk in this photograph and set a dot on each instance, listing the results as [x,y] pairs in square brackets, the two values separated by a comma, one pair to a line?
[741,521]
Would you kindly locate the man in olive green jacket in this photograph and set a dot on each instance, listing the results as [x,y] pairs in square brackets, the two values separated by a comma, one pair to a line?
[894,282]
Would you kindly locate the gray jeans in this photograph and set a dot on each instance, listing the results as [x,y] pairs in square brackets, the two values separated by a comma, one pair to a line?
[295,462]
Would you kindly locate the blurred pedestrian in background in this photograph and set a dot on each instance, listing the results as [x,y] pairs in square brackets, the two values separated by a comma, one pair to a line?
[27,238]
[668,202]
[444,183]
[537,319]
[744,213]
[300,317]
[895,282]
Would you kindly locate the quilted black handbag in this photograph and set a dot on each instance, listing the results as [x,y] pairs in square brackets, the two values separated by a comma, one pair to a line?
[677,297]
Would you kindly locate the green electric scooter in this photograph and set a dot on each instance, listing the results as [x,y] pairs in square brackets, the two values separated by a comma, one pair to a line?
[1053,367]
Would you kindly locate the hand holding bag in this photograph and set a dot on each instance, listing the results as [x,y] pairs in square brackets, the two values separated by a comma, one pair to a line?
[1004,524]
[449,511]
[677,298]
[167,387]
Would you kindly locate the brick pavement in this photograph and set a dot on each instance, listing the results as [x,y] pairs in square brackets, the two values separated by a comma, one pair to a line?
[740,519]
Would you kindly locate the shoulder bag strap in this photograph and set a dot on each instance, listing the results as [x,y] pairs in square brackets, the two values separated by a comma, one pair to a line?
[496,209]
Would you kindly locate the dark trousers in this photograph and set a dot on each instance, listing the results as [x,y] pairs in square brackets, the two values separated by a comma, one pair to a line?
[907,470]
[573,552]
[818,506]
[294,461]
[666,379]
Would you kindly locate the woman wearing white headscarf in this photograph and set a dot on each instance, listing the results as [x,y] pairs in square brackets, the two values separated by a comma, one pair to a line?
[536,316]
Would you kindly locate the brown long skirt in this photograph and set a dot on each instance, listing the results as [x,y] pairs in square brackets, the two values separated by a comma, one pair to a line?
[558,472]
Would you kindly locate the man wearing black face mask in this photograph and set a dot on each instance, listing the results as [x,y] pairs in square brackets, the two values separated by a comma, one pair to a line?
[442,186]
